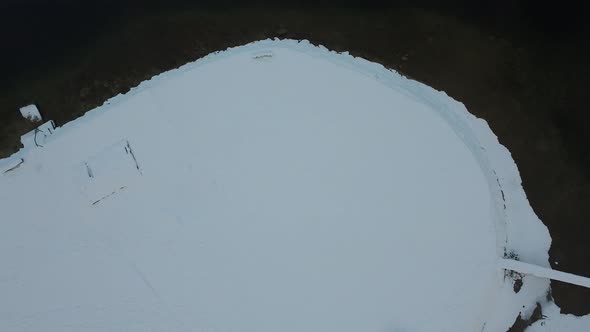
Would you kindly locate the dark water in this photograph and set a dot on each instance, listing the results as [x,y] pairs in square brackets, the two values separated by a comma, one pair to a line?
[521,65]
[54,28]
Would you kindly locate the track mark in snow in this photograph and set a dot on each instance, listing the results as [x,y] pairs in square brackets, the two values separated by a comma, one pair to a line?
[130,151]
[263,55]
[89,171]
[501,190]
[106,196]
[14,165]
[147,282]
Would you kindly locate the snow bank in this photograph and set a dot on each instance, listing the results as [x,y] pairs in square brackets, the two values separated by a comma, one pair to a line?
[273,186]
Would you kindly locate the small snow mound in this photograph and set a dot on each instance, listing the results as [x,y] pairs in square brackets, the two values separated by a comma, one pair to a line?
[31,113]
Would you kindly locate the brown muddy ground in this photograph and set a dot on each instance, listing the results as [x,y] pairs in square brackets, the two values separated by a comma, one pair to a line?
[529,84]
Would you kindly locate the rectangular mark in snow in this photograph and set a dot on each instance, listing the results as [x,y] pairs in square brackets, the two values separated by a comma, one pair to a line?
[108,172]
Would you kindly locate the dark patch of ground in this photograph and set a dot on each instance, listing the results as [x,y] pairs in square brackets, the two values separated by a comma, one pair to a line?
[528,79]
[520,324]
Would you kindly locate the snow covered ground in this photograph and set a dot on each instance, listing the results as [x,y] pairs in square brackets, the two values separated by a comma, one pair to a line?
[275,186]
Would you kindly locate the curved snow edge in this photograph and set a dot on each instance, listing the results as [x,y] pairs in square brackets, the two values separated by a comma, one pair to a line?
[494,159]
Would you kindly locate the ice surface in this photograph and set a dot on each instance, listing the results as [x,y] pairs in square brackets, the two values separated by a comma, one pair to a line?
[272,187]
[31,113]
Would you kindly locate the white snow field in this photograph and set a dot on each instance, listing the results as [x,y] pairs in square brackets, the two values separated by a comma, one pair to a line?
[276,186]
